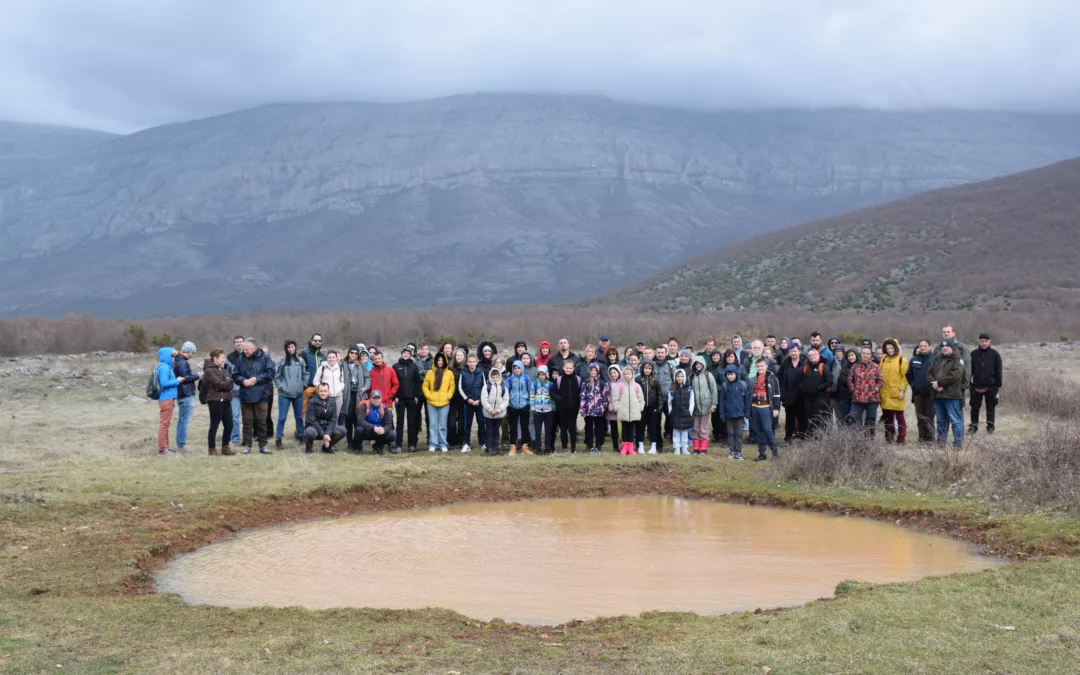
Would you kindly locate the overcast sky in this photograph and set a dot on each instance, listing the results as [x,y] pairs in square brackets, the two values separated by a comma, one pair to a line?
[124,65]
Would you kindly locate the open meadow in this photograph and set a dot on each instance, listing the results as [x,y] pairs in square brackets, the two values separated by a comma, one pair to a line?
[88,513]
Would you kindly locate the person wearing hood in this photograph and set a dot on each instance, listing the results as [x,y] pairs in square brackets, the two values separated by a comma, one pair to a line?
[922,396]
[946,377]
[706,399]
[519,388]
[544,356]
[790,379]
[865,382]
[455,418]
[365,358]
[567,396]
[438,388]
[254,373]
[407,405]
[520,347]
[169,383]
[681,411]
[737,347]
[841,387]
[357,386]
[528,366]
[734,407]
[684,362]
[542,412]
[650,414]
[494,398]
[986,380]
[628,401]
[595,401]
[614,375]
[486,352]
[185,393]
[894,387]
[218,386]
[290,379]
[313,357]
[815,387]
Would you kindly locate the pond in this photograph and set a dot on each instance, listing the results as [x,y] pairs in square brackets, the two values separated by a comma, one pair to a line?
[552,560]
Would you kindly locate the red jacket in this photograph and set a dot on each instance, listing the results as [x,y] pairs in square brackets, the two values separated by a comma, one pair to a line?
[385,380]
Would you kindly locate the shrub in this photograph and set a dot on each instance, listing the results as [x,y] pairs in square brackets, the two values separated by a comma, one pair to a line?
[136,338]
[837,456]
[163,340]
[445,338]
[1042,393]
[1044,470]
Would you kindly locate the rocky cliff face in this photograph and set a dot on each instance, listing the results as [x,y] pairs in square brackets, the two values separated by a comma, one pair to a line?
[469,199]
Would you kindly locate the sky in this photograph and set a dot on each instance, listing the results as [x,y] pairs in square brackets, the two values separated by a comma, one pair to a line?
[123,66]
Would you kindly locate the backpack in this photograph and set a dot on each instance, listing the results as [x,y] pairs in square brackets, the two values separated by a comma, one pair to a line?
[202,391]
[153,386]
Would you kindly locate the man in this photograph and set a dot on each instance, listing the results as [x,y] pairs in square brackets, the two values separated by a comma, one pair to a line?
[255,375]
[986,379]
[377,424]
[770,343]
[664,373]
[736,346]
[922,396]
[815,342]
[605,342]
[647,354]
[383,376]
[237,352]
[564,354]
[710,347]
[407,405]
[169,384]
[313,358]
[946,380]
[764,407]
[423,358]
[185,394]
[323,422]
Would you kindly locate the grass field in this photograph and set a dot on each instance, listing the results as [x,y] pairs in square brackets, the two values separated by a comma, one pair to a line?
[87,513]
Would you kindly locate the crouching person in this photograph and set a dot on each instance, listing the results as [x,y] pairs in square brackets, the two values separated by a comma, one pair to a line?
[375,423]
[323,422]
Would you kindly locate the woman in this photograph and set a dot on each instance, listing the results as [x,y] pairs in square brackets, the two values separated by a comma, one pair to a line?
[611,358]
[629,403]
[357,384]
[290,379]
[790,379]
[626,356]
[614,375]
[815,386]
[544,356]
[595,400]
[448,349]
[650,414]
[332,375]
[843,388]
[455,419]
[438,391]
[785,347]
[894,386]
[635,364]
[219,386]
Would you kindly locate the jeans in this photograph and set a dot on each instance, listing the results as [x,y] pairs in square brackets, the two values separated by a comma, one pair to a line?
[843,409]
[236,426]
[519,425]
[680,438]
[477,413]
[187,409]
[948,412]
[254,419]
[544,430]
[924,413]
[864,414]
[165,411]
[297,405]
[991,398]
[761,420]
[437,426]
[220,415]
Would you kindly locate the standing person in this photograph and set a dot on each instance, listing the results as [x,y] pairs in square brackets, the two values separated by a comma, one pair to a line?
[383,377]
[681,410]
[447,348]
[815,385]
[894,386]
[519,387]
[710,349]
[542,410]
[255,374]
[527,365]
[219,390]
[470,385]
[595,401]
[185,393]
[986,380]
[922,396]
[629,403]
[562,356]
[604,343]
[705,401]
[313,358]
[865,382]
[611,357]
[494,398]
[650,416]
[291,379]
[665,377]
[486,352]
[946,380]
[545,354]
[332,375]
[407,406]
[270,392]
[734,407]
[455,418]
[614,375]
[323,421]
[438,388]
[376,423]
[764,407]
[715,365]
[790,379]
[567,396]
[684,363]
[673,353]
[423,359]
[784,349]
[357,386]
[842,389]
[169,383]
[583,364]
[230,360]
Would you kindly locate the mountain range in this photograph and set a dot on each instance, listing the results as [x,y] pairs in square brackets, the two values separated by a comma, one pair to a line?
[463,200]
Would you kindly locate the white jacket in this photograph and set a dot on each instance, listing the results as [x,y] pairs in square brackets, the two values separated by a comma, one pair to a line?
[494,395]
[333,376]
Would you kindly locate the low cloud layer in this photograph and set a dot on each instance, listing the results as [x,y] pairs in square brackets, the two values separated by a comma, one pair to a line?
[123,65]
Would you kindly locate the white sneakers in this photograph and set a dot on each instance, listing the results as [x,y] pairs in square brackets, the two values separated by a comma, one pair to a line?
[641,448]
[465,448]
[652,449]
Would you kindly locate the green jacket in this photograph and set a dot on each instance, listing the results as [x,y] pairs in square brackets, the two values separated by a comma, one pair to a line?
[948,372]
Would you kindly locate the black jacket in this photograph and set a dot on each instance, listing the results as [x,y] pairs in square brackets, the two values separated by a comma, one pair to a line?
[555,363]
[816,380]
[790,378]
[985,368]
[181,368]
[409,379]
[566,393]
[918,367]
[842,391]
[321,417]
[651,393]
[260,367]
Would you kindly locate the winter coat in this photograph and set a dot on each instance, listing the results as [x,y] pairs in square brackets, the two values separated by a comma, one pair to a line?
[331,376]
[864,380]
[681,407]
[410,381]
[165,375]
[748,370]
[384,380]
[555,363]
[540,400]
[261,368]
[842,389]
[483,363]
[567,392]
[531,369]
[651,391]
[369,416]
[705,395]
[961,350]
[595,398]
[948,372]
[312,360]
[182,368]
[816,379]
[322,416]
[628,400]
[495,396]
[440,398]
[772,391]
[734,399]
[471,383]
[217,383]
[790,378]
[986,371]
[291,379]
[894,382]
[519,388]
[664,373]
[917,371]
[357,379]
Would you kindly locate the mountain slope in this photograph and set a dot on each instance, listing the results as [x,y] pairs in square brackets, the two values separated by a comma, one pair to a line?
[470,199]
[1012,243]
[25,149]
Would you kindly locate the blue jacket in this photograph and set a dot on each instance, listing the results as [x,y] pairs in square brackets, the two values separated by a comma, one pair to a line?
[734,397]
[312,360]
[540,397]
[262,369]
[918,367]
[166,379]
[471,384]
[181,368]
[520,387]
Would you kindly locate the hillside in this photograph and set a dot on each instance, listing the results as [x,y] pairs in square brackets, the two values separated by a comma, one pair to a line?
[26,149]
[463,200]
[1009,244]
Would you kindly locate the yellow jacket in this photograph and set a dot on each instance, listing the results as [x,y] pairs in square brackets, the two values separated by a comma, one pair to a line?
[439,397]
[894,379]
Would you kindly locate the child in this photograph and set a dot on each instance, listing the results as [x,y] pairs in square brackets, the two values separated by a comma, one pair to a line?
[614,376]
[681,412]
[764,407]
[542,410]
[567,396]
[519,386]
[705,400]
[595,400]
[494,398]
[628,403]
[734,408]
[650,415]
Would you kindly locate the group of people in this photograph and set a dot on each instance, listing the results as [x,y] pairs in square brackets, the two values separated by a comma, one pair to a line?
[639,397]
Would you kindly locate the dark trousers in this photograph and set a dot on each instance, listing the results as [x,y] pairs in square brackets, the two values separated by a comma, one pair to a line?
[734,434]
[649,426]
[816,411]
[568,427]
[352,436]
[408,420]
[378,442]
[628,431]
[924,414]
[519,426]
[253,417]
[595,432]
[313,438]
[455,423]
[475,413]
[614,428]
[491,435]
[990,396]
[220,413]
[667,425]
[270,415]
[719,428]
[895,426]
[544,430]
[794,420]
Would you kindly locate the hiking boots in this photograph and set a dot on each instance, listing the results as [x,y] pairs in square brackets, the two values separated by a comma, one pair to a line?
[525,449]
[278,445]
[308,443]
[211,451]
[227,451]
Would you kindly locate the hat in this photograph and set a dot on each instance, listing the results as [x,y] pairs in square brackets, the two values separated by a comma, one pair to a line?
[354,348]
[376,394]
[541,369]
[488,348]
[640,342]
[984,335]
[686,352]
[604,338]
[188,348]
[731,368]
[949,342]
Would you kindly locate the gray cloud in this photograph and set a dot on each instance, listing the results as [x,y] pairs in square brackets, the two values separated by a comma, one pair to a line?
[122,65]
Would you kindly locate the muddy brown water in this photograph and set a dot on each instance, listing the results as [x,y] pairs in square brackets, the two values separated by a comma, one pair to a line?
[549,561]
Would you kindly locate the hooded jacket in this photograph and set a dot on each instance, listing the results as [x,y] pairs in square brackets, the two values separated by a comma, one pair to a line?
[384,380]
[842,388]
[772,390]
[894,382]
[409,379]
[261,368]
[519,387]
[542,360]
[595,397]
[681,407]
[734,396]
[495,396]
[917,372]
[705,394]
[439,397]
[627,400]
[483,361]
[540,400]
[313,358]
[292,375]
[165,375]
[948,372]
[331,376]
[217,383]
[182,368]
[530,369]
